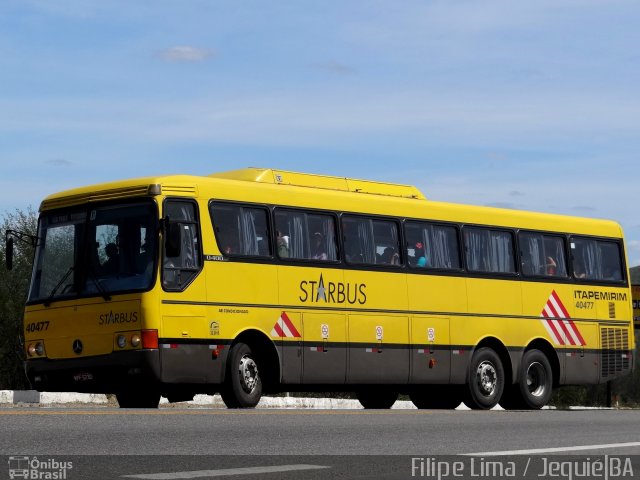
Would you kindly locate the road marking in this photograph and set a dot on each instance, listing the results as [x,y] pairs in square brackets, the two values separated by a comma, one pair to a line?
[536,451]
[226,472]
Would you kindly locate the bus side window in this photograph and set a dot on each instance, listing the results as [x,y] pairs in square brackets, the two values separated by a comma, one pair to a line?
[610,254]
[489,250]
[241,230]
[179,271]
[371,242]
[595,259]
[432,246]
[542,255]
[306,235]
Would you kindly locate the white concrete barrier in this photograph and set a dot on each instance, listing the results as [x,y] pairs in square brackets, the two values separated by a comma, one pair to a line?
[6,396]
[215,401]
[72,397]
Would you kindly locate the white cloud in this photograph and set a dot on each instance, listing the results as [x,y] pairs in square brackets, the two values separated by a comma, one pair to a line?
[187,54]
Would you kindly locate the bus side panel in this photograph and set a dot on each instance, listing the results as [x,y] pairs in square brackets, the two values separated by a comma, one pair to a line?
[582,362]
[234,291]
[536,297]
[378,341]
[290,349]
[184,336]
[313,288]
[325,348]
[378,349]
[430,350]
[431,294]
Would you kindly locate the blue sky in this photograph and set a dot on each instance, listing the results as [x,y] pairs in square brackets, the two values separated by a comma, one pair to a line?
[531,105]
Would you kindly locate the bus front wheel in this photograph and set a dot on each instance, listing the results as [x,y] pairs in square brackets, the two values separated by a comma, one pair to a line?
[485,381]
[243,385]
[534,386]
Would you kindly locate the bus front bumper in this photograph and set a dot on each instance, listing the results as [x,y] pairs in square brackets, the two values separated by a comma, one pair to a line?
[100,374]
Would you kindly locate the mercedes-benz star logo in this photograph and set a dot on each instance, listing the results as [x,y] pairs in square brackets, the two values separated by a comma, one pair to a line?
[77,347]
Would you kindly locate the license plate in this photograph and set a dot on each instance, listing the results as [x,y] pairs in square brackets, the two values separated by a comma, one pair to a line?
[83,377]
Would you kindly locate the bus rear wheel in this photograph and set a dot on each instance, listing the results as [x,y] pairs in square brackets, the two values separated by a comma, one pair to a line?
[438,397]
[138,398]
[376,398]
[485,381]
[243,385]
[534,387]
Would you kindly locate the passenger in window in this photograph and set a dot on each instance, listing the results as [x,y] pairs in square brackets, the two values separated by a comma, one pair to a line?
[390,256]
[578,271]
[317,248]
[282,242]
[420,253]
[551,266]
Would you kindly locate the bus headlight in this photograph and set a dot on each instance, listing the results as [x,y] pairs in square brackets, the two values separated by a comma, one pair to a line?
[31,350]
[135,340]
[122,341]
[39,349]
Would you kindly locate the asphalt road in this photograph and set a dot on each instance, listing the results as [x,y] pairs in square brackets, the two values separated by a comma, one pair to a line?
[308,443]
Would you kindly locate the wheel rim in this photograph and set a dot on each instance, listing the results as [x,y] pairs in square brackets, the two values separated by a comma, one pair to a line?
[536,379]
[487,378]
[248,370]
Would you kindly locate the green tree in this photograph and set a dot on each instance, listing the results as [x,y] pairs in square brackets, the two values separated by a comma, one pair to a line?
[13,294]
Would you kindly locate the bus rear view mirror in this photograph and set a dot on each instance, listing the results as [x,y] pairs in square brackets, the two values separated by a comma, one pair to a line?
[173,242]
[9,253]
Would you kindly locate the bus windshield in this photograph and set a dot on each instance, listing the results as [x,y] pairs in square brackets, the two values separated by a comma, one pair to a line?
[95,250]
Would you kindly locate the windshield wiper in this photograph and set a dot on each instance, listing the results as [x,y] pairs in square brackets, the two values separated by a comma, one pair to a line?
[47,302]
[98,285]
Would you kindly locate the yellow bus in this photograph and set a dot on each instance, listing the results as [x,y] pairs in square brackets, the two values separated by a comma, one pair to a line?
[262,281]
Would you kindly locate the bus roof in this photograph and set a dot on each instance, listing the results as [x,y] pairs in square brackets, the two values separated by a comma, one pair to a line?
[269,186]
[281,177]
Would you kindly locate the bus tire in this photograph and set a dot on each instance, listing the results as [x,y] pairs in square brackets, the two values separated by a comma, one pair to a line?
[243,385]
[138,398]
[376,398]
[534,386]
[485,381]
[436,397]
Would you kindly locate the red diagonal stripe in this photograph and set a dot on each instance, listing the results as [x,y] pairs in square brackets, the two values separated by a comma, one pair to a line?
[577,332]
[555,331]
[560,304]
[552,309]
[278,330]
[289,324]
[567,333]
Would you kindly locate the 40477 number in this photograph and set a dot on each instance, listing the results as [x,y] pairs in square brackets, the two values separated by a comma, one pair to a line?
[37,327]
[585,305]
